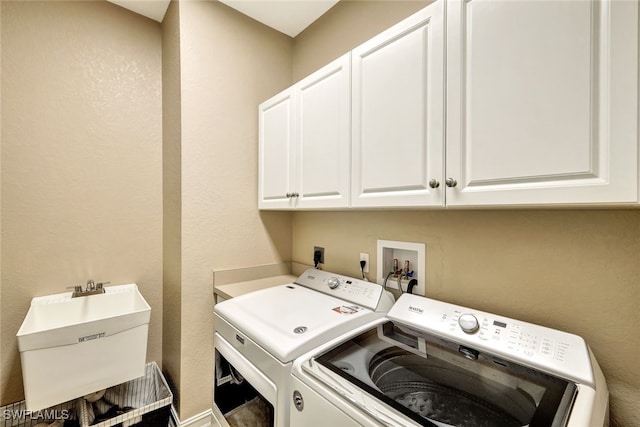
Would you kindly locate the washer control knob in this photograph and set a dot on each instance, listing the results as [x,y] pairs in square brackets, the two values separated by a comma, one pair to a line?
[333,282]
[468,323]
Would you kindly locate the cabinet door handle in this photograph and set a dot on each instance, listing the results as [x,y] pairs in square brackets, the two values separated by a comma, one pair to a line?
[451,182]
[289,195]
[434,183]
[295,195]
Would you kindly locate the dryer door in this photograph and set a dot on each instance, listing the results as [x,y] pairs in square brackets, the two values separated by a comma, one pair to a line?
[242,394]
[436,382]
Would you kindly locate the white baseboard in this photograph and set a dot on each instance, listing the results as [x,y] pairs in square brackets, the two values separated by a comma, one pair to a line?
[203,419]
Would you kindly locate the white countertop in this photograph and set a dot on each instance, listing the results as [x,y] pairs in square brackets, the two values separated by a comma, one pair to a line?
[238,281]
[233,290]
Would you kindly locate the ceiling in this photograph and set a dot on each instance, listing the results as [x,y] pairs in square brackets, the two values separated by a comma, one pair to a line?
[290,17]
[154,9]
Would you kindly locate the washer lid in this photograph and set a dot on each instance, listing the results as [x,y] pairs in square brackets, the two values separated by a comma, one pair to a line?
[290,320]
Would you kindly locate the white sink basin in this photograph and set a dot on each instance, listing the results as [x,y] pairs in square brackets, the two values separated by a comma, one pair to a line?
[60,320]
[70,347]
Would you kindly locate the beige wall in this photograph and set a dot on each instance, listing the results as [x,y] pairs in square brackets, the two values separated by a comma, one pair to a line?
[228,65]
[171,199]
[81,159]
[576,270]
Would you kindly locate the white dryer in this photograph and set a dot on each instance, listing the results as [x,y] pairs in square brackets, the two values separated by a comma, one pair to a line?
[259,335]
[431,363]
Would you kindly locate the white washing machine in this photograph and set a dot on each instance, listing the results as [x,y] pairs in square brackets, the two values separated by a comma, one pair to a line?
[258,336]
[431,363]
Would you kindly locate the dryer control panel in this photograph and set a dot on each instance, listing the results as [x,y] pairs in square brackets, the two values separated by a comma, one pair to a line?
[561,353]
[366,294]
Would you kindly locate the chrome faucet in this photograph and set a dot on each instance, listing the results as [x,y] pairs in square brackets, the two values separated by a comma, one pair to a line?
[92,288]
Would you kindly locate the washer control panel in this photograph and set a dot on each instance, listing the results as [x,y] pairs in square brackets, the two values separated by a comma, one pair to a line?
[360,292]
[559,352]
[515,336]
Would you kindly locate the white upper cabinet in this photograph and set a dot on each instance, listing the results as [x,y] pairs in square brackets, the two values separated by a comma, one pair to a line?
[542,102]
[323,129]
[304,142]
[517,103]
[276,151]
[398,114]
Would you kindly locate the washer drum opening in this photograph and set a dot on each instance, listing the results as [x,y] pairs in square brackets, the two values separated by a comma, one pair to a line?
[445,392]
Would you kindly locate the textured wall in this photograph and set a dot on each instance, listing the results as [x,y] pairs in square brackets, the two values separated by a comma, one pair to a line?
[228,65]
[171,199]
[573,270]
[81,168]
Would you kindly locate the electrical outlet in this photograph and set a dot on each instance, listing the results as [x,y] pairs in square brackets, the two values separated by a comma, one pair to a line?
[365,257]
[321,250]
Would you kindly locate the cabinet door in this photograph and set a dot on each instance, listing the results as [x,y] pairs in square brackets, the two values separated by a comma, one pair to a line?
[398,108]
[323,130]
[542,101]
[276,151]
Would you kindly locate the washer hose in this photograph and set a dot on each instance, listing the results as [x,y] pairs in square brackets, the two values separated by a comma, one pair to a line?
[411,284]
[384,284]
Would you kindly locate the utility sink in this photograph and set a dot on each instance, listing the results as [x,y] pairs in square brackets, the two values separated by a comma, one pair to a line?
[70,347]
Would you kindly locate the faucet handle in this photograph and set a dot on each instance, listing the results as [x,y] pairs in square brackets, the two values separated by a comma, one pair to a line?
[77,290]
[100,285]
